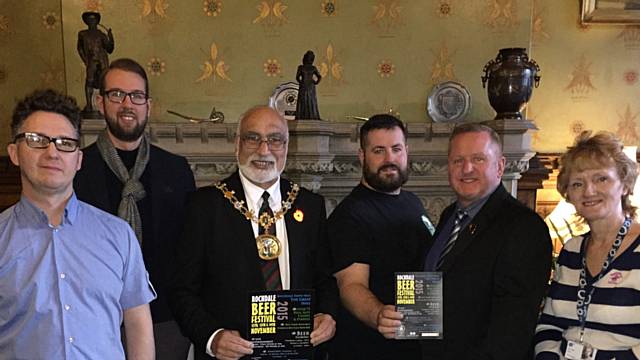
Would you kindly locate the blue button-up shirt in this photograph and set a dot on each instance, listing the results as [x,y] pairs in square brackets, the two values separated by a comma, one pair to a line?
[63,289]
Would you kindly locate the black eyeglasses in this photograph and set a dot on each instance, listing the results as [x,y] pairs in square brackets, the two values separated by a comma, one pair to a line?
[117,96]
[40,141]
[253,141]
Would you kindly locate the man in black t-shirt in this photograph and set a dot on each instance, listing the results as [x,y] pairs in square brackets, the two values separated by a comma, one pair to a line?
[377,230]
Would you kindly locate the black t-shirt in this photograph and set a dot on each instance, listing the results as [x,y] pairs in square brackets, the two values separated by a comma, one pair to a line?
[386,232]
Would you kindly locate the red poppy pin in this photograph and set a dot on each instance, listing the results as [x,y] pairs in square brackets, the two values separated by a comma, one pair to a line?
[298,215]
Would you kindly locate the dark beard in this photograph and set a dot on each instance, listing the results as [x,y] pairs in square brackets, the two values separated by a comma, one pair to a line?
[122,134]
[383,183]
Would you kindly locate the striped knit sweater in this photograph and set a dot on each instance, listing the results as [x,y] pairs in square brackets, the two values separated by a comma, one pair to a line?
[613,320]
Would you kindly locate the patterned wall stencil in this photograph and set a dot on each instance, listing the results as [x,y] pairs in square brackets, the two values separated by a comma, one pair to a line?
[93,5]
[3,74]
[4,24]
[214,68]
[576,127]
[212,7]
[580,82]
[627,127]
[386,68]
[387,15]
[630,77]
[156,66]
[501,14]
[442,68]
[157,8]
[271,13]
[272,68]
[538,28]
[329,7]
[330,68]
[630,36]
[444,8]
[50,20]
[53,74]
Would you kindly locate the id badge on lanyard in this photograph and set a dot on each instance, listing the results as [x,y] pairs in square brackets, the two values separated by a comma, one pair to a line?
[578,349]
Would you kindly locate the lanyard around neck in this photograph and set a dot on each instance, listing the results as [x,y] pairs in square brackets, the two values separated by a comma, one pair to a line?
[586,289]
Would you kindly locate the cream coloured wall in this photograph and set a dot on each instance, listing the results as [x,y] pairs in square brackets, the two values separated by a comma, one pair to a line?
[587,73]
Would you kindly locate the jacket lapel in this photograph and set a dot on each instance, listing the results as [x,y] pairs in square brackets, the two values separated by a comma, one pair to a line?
[474,230]
[295,232]
[243,229]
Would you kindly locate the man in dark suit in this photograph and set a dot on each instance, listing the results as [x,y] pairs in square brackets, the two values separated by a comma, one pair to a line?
[122,173]
[494,253]
[218,263]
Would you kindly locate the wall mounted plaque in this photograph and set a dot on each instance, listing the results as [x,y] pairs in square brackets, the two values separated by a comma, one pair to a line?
[284,99]
[449,101]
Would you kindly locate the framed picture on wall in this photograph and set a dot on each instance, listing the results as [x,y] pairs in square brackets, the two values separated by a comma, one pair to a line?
[621,12]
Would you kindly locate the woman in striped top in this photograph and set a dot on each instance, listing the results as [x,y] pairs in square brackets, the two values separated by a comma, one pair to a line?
[593,307]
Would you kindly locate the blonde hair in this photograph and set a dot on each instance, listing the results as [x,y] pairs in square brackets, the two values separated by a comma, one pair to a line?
[603,149]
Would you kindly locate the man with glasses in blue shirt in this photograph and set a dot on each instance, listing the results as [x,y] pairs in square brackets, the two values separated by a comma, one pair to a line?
[70,274]
[220,259]
[123,174]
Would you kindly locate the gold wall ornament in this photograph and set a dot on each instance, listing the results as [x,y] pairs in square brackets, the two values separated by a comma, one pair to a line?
[442,68]
[212,7]
[4,24]
[50,20]
[386,68]
[538,27]
[627,127]
[501,13]
[271,13]
[630,35]
[154,7]
[444,8]
[93,5]
[53,75]
[576,127]
[330,69]
[272,68]
[214,68]
[268,245]
[387,14]
[329,8]
[156,66]
[580,78]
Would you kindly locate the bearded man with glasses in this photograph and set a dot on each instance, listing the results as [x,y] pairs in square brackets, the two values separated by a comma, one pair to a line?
[123,174]
[65,266]
[226,252]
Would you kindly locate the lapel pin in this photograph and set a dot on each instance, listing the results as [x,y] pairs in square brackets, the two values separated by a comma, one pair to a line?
[472,228]
[298,215]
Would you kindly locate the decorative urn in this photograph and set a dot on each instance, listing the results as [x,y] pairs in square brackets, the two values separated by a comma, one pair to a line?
[510,79]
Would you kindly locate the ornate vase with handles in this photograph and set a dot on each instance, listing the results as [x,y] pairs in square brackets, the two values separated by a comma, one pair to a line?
[510,79]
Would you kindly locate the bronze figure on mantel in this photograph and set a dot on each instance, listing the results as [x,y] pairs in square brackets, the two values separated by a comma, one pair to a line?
[94,47]
[308,77]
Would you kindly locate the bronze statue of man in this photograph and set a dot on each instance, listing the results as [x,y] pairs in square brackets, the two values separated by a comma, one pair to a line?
[94,47]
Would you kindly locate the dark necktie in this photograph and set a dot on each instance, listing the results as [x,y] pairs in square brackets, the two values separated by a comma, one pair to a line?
[270,268]
[457,226]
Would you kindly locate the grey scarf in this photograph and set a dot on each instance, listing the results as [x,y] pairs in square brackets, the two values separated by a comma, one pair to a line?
[132,191]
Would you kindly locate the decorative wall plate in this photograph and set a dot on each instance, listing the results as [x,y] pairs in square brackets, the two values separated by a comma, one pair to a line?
[284,99]
[449,101]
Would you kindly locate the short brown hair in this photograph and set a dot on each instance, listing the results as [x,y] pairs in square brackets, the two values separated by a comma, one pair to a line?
[600,150]
[476,128]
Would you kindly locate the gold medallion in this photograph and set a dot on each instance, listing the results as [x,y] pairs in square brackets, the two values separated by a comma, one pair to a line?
[268,246]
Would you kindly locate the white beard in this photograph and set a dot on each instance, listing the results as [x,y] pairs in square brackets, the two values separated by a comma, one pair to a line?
[260,176]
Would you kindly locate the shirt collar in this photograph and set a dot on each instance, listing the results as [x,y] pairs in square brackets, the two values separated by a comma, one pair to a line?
[30,210]
[473,209]
[253,194]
